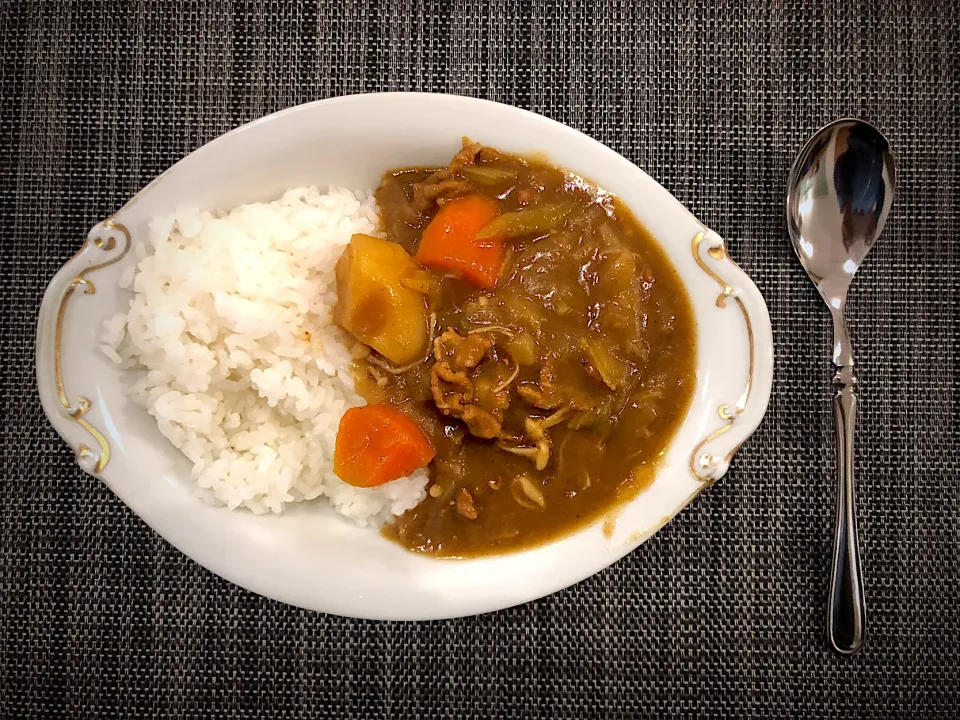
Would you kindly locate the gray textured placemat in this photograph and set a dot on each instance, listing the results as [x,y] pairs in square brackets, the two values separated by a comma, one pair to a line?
[720,613]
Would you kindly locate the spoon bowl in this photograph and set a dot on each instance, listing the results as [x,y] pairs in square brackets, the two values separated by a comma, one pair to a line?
[839,195]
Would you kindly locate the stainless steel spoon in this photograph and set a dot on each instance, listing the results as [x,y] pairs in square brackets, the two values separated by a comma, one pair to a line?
[839,193]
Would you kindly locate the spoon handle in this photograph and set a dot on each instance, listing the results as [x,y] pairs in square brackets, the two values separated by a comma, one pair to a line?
[846,613]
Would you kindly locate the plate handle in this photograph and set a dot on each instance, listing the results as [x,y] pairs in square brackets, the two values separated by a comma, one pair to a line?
[107,243]
[711,457]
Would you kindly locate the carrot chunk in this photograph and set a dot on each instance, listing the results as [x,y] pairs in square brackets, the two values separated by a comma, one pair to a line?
[376,444]
[450,244]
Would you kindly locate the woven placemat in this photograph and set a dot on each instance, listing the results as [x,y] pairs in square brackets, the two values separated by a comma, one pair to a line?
[721,613]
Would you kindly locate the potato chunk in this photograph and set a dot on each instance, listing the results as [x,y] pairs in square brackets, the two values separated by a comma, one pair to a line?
[374,304]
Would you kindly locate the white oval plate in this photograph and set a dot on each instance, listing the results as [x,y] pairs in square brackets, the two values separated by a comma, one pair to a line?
[310,556]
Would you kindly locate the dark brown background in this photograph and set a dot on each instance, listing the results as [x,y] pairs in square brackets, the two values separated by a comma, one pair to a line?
[721,613]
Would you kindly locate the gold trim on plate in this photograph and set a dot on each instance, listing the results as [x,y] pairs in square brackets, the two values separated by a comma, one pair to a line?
[729,415]
[106,242]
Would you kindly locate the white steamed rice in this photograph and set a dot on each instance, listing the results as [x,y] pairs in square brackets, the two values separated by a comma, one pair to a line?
[231,343]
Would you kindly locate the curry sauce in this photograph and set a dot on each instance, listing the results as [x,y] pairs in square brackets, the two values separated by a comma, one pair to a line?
[548,397]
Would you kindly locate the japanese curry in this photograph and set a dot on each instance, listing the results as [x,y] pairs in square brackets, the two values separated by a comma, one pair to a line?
[519,333]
